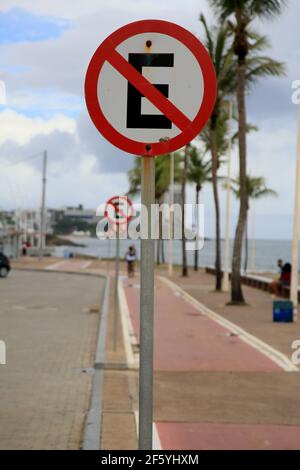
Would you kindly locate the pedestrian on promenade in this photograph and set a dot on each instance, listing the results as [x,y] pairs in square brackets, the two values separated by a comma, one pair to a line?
[131,258]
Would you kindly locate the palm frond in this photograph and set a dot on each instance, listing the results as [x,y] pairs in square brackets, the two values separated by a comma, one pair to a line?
[260,67]
[208,37]
[249,8]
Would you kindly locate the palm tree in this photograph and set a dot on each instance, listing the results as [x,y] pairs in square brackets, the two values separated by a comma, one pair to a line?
[256,189]
[215,134]
[199,173]
[217,44]
[243,13]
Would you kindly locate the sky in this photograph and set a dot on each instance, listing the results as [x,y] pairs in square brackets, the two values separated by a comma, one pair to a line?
[45,48]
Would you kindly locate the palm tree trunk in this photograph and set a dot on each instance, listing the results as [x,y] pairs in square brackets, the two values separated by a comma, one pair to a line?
[163,260]
[236,288]
[246,248]
[184,180]
[214,168]
[197,223]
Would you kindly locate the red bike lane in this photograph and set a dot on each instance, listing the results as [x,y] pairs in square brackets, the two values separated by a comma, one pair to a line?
[188,340]
[185,339]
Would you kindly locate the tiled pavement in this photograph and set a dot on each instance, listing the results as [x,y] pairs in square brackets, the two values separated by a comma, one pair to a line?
[50,337]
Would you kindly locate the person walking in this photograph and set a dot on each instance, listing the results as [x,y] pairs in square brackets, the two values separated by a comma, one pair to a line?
[131,258]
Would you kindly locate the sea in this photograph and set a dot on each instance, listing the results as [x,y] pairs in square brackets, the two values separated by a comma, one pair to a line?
[267,252]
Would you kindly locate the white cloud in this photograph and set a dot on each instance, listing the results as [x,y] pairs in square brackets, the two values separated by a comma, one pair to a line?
[21,129]
[88,165]
[78,162]
[78,183]
[44,102]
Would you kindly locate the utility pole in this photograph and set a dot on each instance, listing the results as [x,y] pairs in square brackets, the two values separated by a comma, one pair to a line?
[295,244]
[171,203]
[228,190]
[42,218]
[16,238]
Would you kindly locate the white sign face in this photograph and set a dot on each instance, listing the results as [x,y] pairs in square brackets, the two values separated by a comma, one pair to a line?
[172,66]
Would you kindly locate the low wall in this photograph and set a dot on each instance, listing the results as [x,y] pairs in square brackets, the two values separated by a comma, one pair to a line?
[258,282]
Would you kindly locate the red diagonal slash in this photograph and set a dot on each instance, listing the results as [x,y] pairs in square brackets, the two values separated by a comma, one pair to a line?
[148,90]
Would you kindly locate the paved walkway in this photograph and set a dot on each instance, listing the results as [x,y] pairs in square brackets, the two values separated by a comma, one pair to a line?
[256,317]
[212,390]
[50,337]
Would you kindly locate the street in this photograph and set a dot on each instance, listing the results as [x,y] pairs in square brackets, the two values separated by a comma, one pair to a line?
[50,337]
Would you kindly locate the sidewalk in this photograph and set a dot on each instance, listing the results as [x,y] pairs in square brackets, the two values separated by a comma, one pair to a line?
[120,400]
[212,389]
[256,317]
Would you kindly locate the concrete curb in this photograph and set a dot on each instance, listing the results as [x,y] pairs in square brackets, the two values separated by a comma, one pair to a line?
[129,338]
[48,271]
[92,431]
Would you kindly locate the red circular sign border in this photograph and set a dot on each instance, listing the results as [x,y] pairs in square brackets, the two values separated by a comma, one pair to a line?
[110,202]
[96,64]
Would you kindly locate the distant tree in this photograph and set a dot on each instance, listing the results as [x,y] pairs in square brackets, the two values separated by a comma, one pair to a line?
[256,188]
[67,225]
[199,173]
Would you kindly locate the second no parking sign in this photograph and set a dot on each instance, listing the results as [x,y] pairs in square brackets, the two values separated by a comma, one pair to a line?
[150,87]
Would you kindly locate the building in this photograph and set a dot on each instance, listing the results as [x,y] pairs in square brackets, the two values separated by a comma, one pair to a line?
[79,213]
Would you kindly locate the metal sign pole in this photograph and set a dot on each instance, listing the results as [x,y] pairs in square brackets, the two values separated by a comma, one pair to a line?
[146,309]
[171,202]
[116,302]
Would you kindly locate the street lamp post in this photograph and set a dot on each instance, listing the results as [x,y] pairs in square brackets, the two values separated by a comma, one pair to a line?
[42,218]
[295,243]
[228,197]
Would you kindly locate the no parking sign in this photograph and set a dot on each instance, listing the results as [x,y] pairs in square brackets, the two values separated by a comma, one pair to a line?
[118,210]
[150,87]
